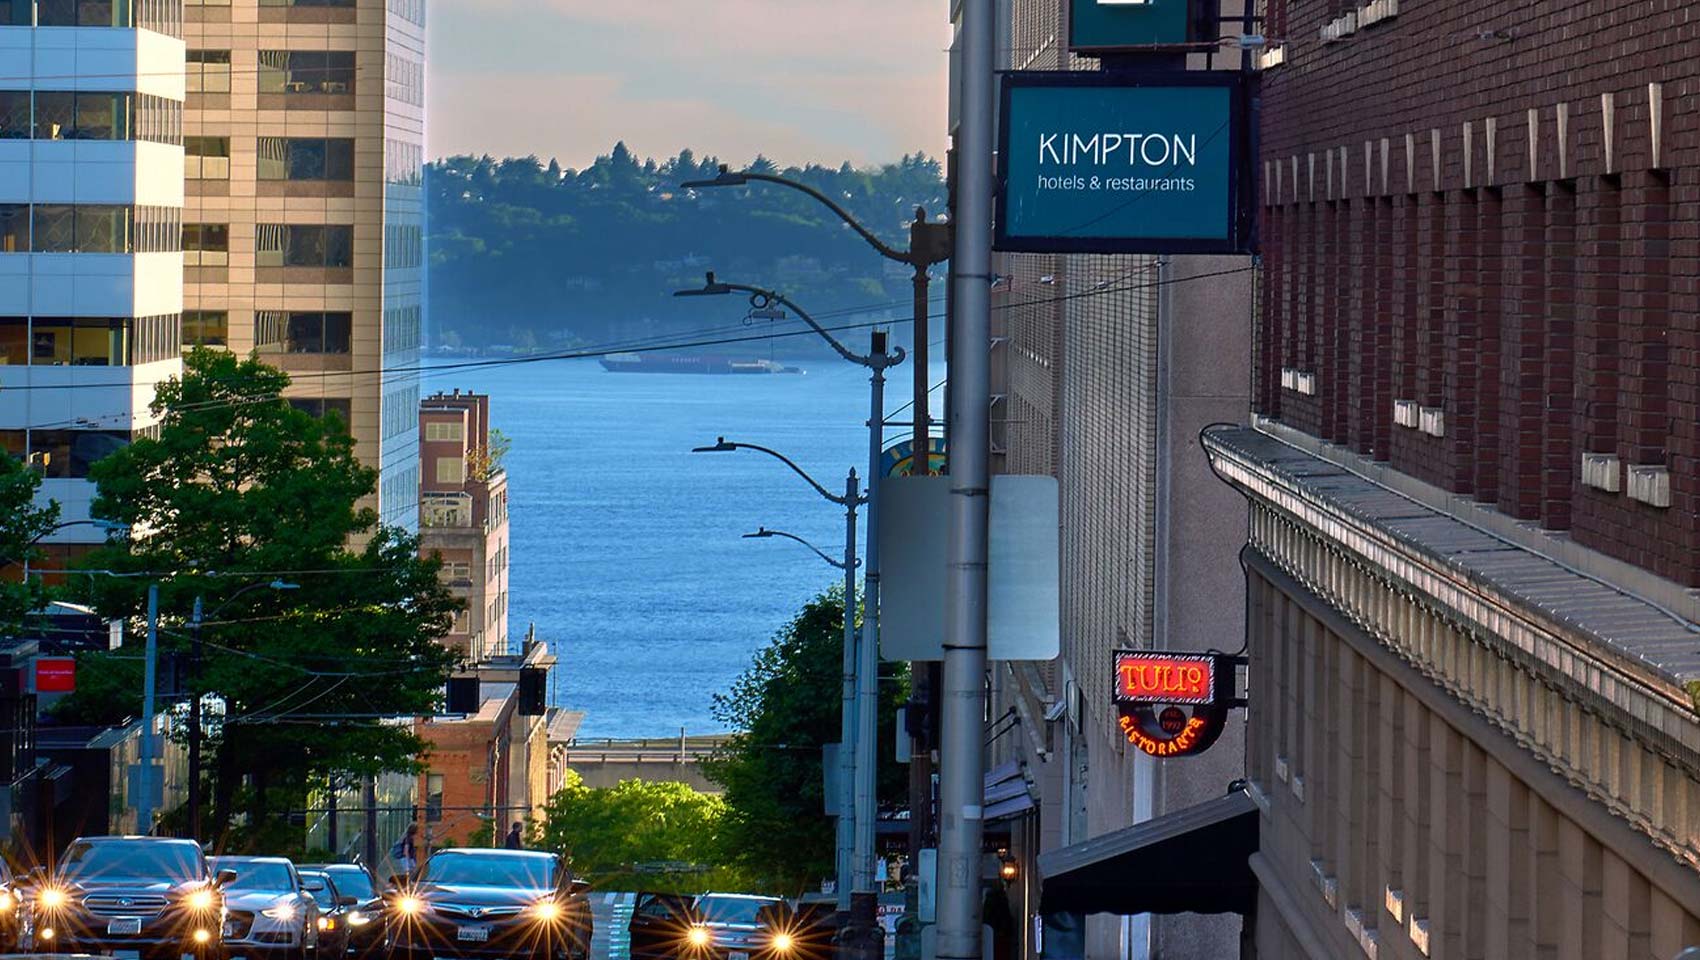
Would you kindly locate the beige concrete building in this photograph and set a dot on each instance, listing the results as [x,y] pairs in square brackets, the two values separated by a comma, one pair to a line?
[304,143]
[463,517]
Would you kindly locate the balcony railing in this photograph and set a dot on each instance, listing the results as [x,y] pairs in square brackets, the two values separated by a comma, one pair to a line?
[445,510]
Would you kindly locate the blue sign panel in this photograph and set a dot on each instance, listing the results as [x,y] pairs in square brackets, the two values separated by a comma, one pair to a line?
[1105,163]
[1099,26]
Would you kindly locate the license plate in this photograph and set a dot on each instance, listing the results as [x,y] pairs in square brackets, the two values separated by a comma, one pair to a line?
[737,955]
[478,934]
[126,927]
[127,955]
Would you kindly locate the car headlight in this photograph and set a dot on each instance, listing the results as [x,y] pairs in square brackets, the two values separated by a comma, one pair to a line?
[699,937]
[410,905]
[282,911]
[327,923]
[546,910]
[200,900]
[783,942]
[357,919]
[7,902]
[51,898]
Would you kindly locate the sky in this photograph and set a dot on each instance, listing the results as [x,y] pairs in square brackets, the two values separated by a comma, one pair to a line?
[797,80]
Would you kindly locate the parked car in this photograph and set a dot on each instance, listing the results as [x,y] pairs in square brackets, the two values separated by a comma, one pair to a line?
[271,917]
[476,903]
[11,910]
[365,919]
[154,896]
[333,912]
[715,926]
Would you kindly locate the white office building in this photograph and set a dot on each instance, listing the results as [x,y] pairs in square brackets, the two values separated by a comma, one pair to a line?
[91,210]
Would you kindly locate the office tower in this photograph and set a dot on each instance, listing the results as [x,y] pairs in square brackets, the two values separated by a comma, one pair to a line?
[303,239]
[91,204]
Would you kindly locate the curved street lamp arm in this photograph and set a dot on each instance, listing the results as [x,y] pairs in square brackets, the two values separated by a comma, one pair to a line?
[799,471]
[839,564]
[884,249]
[872,361]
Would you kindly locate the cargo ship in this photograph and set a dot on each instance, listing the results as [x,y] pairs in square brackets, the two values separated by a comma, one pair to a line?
[689,363]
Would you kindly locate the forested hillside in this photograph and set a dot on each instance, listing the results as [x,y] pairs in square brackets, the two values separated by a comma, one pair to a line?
[531,254]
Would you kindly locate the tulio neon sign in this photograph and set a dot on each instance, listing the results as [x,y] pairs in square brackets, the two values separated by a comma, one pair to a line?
[1173,704]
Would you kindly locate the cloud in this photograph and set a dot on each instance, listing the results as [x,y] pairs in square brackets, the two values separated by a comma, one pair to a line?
[797,80]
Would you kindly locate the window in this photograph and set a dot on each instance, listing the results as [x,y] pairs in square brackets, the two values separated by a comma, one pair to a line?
[87,341]
[306,71]
[401,328]
[433,797]
[83,13]
[206,244]
[88,228]
[14,111]
[206,158]
[17,13]
[14,228]
[89,115]
[404,246]
[206,328]
[208,71]
[310,158]
[445,431]
[14,341]
[451,470]
[322,406]
[295,245]
[318,332]
[70,453]
[456,570]
[307,3]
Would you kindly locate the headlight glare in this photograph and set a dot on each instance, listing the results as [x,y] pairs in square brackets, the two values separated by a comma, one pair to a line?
[783,942]
[282,911]
[358,919]
[201,900]
[699,936]
[410,905]
[51,898]
[6,901]
[546,910]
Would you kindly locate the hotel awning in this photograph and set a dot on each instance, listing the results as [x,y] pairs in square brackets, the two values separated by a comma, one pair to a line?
[1189,861]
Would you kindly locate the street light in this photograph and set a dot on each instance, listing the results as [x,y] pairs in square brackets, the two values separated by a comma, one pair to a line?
[929,244]
[849,813]
[867,664]
[195,695]
[763,533]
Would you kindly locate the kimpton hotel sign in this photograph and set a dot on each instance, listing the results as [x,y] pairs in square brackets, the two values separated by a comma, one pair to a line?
[1111,163]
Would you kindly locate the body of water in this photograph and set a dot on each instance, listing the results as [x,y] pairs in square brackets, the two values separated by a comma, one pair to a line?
[626,548]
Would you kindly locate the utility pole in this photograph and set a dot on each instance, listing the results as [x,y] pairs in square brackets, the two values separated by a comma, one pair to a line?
[868,656]
[144,790]
[963,698]
[195,722]
[847,720]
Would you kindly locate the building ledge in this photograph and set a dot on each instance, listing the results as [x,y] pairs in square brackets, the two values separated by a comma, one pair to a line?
[1540,648]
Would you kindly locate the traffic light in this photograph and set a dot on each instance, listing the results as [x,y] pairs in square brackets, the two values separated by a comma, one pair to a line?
[463,696]
[918,720]
[533,691]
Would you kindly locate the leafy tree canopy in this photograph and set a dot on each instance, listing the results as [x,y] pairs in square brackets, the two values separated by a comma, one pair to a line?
[666,830]
[521,246]
[787,706]
[22,522]
[317,620]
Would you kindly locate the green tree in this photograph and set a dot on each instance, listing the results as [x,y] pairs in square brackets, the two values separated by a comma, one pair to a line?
[786,708]
[609,830]
[241,490]
[22,522]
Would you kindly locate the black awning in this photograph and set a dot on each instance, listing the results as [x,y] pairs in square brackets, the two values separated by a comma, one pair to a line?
[1190,861]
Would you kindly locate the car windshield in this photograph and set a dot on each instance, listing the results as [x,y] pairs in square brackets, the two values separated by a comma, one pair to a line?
[352,882]
[325,896]
[731,909]
[147,859]
[491,870]
[254,875]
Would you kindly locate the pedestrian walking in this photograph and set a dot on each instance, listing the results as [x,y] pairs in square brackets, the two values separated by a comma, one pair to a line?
[515,840]
[405,852]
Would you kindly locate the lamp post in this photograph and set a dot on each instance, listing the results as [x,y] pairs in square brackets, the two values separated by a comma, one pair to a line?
[929,244]
[867,666]
[195,695]
[848,814]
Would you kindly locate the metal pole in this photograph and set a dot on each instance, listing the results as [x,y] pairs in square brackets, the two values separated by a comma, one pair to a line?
[144,803]
[867,666]
[961,757]
[195,723]
[331,839]
[371,798]
[847,724]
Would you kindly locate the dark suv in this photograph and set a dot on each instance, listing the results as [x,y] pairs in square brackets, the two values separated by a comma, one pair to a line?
[365,918]
[150,895]
[473,903]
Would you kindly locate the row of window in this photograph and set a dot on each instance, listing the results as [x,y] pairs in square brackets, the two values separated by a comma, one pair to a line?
[161,16]
[278,158]
[402,326]
[404,247]
[306,71]
[88,341]
[445,430]
[497,564]
[206,158]
[304,245]
[322,406]
[87,115]
[67,454]
[89,228]
[404,79]
[305,331]
[206,245]
[413,11]
[404,162]
[401,410]
[206,328]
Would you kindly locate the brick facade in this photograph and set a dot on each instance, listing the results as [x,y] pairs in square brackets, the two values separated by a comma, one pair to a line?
[1491,210]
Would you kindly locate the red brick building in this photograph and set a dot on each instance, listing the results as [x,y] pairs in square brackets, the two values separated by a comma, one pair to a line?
[463,515]
[1474,479]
